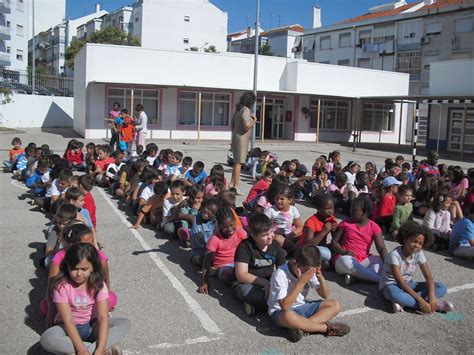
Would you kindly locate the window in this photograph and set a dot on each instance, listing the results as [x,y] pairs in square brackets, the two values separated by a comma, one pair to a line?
[187,19]
[215,108]
[186,40]
[120,19]
[378,117]
[463,25]
[383,39]
[345,40]
[19,54]
[8,49]
[334,114]
[137,19]
[345,62]
[325,42]
[149,98]
[19,30]
[325,62]
[409,62]
[363,63]
[8,24]
[365,37]
[433,29]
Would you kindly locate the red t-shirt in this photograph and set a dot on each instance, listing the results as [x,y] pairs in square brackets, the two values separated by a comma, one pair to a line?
[224,249]
[387,205]
[316,225]
[358,239]
[257,189]
[103,164]
[89,205]
[73,157]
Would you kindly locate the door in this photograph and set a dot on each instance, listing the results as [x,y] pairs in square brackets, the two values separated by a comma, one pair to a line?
[456,128]
[277,120]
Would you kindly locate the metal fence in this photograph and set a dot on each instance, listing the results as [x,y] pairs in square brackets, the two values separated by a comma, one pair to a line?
[22,83]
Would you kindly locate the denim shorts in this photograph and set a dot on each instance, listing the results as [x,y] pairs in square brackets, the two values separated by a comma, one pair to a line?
[308,309]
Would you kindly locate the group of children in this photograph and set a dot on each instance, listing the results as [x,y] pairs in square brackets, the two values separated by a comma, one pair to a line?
[264,250]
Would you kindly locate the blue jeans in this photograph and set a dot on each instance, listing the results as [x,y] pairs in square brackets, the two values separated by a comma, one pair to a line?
[394,293]
[325,252]
[84,330]
[306,310]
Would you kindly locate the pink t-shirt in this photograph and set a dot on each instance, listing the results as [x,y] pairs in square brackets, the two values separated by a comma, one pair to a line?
[59,256]
[456,189]
[344,191]
[82,304]
[358,239]
[224,249]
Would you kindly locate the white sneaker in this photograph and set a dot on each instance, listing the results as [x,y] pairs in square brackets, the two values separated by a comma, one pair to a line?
[349,279]
[444,306]
[397,308]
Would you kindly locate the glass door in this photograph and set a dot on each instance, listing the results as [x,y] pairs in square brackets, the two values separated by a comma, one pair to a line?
[277,120]
[456,131]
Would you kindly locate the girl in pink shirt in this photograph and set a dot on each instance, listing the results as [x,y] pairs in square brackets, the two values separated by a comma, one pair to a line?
[74,232]
[220,249]
[80,296]
[352,242]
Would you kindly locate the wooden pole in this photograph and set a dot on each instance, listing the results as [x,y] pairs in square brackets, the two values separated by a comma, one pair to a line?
[318,121]
[463,133]
[400,125]
[199,116]
[262,120]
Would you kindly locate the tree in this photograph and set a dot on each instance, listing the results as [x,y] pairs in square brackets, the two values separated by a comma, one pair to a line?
[211,49]
[266,49]
[109,35]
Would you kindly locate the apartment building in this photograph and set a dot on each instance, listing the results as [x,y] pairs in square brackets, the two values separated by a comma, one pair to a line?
[13,35]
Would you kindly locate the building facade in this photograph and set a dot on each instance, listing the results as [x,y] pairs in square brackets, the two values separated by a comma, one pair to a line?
[194,98]
[14,35]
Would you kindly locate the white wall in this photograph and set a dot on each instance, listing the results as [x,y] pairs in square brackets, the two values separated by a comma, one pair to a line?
[455,77]
[163,25]
[37,111]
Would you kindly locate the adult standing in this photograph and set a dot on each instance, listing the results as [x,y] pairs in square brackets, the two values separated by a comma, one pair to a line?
[114,127]
[141,126]
[242,122]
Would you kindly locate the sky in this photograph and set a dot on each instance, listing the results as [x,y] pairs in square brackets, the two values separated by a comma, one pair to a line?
[242,13]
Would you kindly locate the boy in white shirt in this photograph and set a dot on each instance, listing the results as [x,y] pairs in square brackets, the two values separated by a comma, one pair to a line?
[287,304]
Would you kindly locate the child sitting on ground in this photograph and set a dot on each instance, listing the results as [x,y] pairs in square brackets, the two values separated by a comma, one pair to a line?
[55,191]
[202,230]
[340,192]
[227,199]
[287,304]
[90,159]
[111,174]
[86,184]
[220,249]
[388,203]
[13,154]
[101,164]
[187,213]
[317,228]
[154,205]
[396,281]
[255,260]
[461,243]
[260,186]
[170,224]
[403,210]
[438,220]
[196,175]
[286,219]
[74,156]
[81,278]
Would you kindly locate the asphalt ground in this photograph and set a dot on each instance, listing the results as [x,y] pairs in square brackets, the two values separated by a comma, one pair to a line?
[156,284]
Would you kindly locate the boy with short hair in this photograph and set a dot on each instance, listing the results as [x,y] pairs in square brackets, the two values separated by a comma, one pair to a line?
[255,260]
[196,175]
[403,210]
[13,154]
[287,304]
[174,165]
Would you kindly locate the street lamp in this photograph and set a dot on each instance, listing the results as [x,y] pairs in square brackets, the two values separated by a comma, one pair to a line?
[255,69]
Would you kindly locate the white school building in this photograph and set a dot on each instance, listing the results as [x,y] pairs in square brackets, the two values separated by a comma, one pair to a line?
[192,95]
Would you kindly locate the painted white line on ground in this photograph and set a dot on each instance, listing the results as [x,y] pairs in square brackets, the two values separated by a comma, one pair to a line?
[351,312]
[208,324]
[18,184]
[186,342]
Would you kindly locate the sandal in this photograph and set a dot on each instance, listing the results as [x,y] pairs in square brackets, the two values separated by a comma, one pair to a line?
[337,329]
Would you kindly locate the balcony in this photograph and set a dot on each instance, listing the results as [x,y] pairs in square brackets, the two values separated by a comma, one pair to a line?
[4,33]
[5,59]
[5,7]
